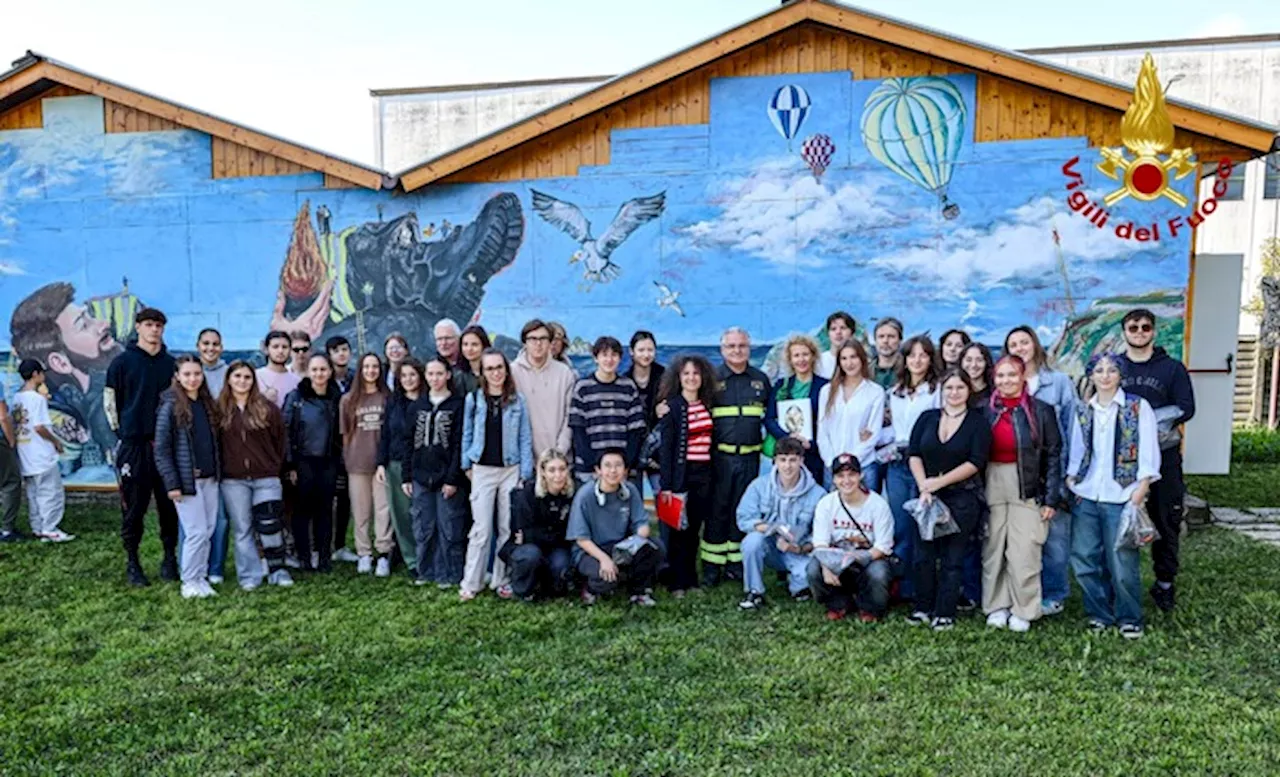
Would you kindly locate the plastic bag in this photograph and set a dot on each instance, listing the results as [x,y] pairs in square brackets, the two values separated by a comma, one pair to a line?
[626,550]
[837,560]
[934,519]
[1136,529]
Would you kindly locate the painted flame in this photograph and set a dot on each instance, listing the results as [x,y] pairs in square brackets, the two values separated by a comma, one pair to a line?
[1146,129]
[304,269]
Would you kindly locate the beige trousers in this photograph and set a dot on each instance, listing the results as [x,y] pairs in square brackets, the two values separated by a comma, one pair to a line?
[491,513]
[1011,553]
[369,504]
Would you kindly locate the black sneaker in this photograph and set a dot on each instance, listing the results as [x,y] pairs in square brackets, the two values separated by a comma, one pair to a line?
[965,604]
[943,624]
[1131,631]
[1096,626]
[12,536]
[803,595]
[753,601]
[169,569]
[918,618]
[710,576]
[137,578]
[1165,598]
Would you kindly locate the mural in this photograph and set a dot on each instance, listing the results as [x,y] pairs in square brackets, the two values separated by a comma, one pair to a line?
[803,194]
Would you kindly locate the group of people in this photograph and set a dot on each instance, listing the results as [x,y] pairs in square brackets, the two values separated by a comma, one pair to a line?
[522,476]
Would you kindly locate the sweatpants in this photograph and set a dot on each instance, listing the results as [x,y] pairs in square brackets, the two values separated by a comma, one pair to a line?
[440,536]
[682,546]
[637,577]
[534,569]
[1164,505]
[10,487]
[139,482]
[198,514]
[401,516]
[46,500]
[246,502]
[370,505]
[313,509]
[868,586]
[1011,553]
[939,563]
[491,512]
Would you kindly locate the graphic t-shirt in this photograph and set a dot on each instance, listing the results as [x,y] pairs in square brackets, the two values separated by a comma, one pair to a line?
[360,444]
[36,455]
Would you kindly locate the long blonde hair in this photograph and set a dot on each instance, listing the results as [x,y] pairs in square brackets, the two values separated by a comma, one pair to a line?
[540,484]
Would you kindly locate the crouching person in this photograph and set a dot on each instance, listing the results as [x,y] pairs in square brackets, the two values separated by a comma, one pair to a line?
[538,553]
[606,512]
[853,519]
[776,513]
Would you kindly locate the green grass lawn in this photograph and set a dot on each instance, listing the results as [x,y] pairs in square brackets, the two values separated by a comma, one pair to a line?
[364,676]
[1248,485]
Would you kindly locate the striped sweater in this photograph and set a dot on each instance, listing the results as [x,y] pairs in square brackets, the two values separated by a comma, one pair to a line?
[605,415]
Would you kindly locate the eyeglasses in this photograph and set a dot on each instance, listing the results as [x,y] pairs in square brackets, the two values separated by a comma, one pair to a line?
[300,348]
[1139,327]
[494,368]
[538,338]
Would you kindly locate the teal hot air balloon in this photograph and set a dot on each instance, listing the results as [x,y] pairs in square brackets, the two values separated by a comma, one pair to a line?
[915,127]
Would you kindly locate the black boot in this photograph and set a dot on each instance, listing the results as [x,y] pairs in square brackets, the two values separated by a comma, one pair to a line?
[169,567]
[133,570]
[711,575]
[733,571]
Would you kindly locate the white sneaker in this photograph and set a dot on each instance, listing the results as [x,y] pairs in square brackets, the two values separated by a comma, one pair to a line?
[191,591]
[384,567]
[998,619]
[215,579]
[342,554]
[281,578]
[315,559]
[1018,624]
[57,535]
[251,585]
[365,565]
[206,590]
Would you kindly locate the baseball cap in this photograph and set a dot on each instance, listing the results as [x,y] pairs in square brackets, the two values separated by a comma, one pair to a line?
[846,461]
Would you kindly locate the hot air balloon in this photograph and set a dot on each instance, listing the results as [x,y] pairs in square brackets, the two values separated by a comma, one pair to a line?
[915,127]
[816,153]
[787,109]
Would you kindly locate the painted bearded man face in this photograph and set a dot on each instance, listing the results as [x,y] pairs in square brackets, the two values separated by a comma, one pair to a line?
[88,343]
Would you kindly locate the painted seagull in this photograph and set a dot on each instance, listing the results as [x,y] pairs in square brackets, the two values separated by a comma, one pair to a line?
[594,254]
[667,298]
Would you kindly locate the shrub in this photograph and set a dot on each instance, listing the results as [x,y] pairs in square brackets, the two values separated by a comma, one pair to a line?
[1256,444]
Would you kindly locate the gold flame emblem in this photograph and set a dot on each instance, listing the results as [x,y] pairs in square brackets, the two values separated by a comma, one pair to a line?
[1147,132]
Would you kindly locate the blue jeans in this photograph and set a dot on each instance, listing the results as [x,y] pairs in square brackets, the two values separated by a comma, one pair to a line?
[529,563]
[439,534]
[971,577]
[1055,556]
[1110,579]
[900,487]
[758,552]
[218,545]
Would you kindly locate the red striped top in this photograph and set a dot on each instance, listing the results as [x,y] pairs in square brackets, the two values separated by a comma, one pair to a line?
[699,421]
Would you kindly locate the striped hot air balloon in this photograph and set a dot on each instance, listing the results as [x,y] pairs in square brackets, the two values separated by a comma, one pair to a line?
[915,127]
[787,110]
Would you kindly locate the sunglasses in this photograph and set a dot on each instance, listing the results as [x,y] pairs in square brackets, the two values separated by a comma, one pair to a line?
[1139,327]
[300,349]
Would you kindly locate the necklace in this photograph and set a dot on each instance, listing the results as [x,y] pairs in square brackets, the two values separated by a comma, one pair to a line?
[954,415]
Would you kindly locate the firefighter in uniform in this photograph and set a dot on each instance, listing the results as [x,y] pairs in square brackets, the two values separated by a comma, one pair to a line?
[742,393]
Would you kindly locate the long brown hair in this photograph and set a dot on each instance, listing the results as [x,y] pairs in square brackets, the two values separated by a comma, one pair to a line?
[182,403]
[357,392]
[1038,354]
[508,381]
[903,376]
[257,409]
[838,375]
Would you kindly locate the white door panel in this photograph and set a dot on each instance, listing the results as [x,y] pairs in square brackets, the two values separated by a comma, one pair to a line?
[1211,361]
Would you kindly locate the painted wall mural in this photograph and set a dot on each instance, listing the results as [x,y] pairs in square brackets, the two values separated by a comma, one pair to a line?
[804,194]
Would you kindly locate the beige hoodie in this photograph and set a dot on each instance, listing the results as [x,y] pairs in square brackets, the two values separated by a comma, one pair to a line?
[546,393]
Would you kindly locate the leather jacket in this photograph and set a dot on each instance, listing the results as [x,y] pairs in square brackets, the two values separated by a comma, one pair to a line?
[1039,457]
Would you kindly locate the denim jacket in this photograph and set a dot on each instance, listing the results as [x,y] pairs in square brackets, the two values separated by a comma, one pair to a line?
[1058,392]
[517,435]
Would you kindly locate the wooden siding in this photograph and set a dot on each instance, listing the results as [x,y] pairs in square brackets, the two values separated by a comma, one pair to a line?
[1004,110]
[122,118]
[30,114]
[232,160]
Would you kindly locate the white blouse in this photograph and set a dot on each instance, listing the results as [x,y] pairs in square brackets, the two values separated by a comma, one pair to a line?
[906,410]
[1099,484]
[840,431]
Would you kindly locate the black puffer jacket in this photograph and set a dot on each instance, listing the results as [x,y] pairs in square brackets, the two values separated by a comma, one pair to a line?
[1039,458]
[311,421]
[175,449]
